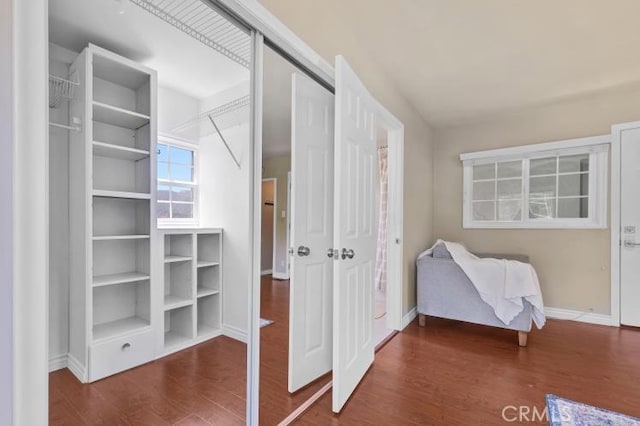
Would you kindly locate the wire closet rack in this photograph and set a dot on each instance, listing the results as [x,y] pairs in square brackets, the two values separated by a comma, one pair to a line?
[60,90]
[200,21]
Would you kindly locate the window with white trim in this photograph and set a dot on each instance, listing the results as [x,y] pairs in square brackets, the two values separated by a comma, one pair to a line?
[551,185]
[177,183]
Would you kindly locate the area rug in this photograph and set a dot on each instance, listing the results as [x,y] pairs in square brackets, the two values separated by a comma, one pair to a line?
[265,322]
[563,412]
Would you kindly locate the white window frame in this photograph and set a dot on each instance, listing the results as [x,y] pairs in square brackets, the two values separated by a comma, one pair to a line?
[597,147]
[164,139]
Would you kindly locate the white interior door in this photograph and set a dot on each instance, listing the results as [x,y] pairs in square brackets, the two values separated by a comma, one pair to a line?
[355,237]
[630,227]
[311,292]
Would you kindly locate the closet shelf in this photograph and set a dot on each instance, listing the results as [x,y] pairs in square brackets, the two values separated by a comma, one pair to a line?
[102,149]
[204,291]
[175,302]
[172,338]
[172,259]
[205,263]
[120,117]
[125,277]
[120,237]
[207,330]
[121,194]
[118,327]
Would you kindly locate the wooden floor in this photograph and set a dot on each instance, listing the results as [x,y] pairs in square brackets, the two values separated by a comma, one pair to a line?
[451,373]
[447,373]
[201,385]
[275,401]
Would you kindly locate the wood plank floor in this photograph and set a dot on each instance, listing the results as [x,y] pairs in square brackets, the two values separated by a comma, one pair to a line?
[275,401]
[201,385]
[452,373]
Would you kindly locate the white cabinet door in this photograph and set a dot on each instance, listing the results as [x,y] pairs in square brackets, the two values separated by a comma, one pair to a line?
[630,227]
[355,237]
[310,307]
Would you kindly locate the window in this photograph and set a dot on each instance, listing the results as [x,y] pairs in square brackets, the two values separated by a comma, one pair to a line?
[177,184]
[551,185]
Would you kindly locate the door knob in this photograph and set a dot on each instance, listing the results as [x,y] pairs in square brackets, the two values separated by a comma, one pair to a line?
[348,253]
[304,251]
[631,244]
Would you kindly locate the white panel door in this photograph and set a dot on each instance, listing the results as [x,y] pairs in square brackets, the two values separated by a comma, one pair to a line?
[311,292]
[355,236]
[630,227]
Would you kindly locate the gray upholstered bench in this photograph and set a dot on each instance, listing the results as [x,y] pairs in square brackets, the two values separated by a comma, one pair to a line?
[444,291]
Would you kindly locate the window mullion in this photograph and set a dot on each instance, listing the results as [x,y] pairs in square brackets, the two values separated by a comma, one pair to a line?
[525,191]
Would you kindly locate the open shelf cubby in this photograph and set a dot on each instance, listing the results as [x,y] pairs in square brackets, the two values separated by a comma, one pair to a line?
[120,309]
[120,218]
[120,86]
[178,326]
[178,285]
[120,261]
[121,168]
[178,248]
[208,249]
[208,281]
[208,315]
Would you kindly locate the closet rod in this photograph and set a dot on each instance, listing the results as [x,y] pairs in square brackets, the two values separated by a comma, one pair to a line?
[225,142]
[63,126]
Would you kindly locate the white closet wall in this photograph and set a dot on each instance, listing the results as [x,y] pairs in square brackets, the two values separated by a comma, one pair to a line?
[225,202]
[174,108]
[59,60]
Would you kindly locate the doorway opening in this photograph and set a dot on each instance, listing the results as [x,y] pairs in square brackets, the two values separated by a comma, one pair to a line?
[269,209]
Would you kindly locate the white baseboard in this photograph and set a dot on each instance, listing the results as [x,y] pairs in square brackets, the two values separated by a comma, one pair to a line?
[77,368]
[57,362]
[266,272]
[408,317]
[280,276]
[234,333]
[588,317]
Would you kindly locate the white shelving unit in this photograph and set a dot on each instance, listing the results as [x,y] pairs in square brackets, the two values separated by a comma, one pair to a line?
[192,276]
[112,215]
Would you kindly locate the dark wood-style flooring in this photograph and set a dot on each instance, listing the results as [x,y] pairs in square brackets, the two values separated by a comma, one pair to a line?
[452,373]
[448,373]
[205,384]
[201,385]
[276,402]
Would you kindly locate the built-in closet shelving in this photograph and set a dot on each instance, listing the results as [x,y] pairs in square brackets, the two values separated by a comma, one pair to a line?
[112,201]
[192,276]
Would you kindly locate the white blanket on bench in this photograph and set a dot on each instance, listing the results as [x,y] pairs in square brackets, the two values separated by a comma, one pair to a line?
[502,284]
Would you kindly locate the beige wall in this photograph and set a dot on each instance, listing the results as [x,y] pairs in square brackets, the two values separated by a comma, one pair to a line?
[278,168]
[573,265]
[313,21]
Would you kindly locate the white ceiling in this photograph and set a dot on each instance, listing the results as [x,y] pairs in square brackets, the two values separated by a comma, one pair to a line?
[462,59]
[183,63]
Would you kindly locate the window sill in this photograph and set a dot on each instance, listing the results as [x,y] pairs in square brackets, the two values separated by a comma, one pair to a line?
[541,225]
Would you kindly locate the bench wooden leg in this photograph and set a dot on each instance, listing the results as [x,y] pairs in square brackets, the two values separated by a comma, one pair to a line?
[522,338]
[422,320]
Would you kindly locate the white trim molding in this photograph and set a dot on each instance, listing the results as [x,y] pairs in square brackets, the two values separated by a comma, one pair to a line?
[234,333]
[77,369]
[581,316]
[57,362]
[280,276]
[266,272]
[616,238]
[409,317]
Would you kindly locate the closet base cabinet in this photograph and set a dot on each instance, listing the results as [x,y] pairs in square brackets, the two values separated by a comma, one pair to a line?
[112,215]
[191,276]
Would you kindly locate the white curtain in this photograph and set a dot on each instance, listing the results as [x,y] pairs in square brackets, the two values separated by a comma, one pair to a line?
[381,255]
